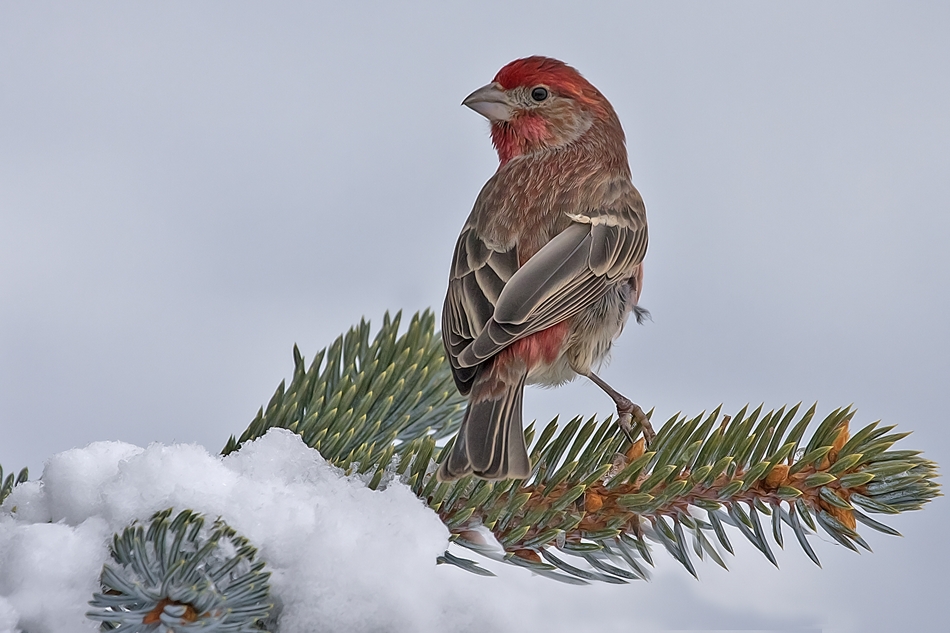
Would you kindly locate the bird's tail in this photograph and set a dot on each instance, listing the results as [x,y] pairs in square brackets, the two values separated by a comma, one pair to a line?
[490,442]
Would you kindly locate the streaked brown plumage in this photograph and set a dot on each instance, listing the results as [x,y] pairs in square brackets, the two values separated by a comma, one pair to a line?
[549,263]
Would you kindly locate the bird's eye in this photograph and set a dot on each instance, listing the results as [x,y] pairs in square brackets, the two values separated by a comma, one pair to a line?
[539,94]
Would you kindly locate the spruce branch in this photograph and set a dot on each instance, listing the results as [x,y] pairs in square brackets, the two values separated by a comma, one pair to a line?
[359,399]
[179,575]
[602,499]
[595,503]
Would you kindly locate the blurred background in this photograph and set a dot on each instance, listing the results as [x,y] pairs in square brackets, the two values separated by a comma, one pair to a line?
[187,190]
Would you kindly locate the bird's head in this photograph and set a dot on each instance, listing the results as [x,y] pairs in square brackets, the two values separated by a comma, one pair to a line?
[538,103]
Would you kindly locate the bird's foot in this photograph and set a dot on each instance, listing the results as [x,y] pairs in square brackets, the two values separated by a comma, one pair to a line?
[627,412]
[623,420]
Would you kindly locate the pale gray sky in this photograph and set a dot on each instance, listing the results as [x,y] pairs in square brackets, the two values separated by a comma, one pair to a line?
[186,190]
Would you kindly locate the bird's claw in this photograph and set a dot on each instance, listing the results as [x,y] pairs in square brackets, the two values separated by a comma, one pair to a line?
[623,420]
[627,414]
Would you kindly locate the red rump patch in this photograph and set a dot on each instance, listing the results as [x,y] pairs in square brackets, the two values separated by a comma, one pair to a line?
[542,347]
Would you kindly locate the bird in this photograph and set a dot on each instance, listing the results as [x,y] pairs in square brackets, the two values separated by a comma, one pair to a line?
[548,266]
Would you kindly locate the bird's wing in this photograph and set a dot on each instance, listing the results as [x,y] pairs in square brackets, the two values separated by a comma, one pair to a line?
[476,280]
[492,303]
[570,272]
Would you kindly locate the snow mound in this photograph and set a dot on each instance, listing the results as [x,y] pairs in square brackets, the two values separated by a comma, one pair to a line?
[343,557]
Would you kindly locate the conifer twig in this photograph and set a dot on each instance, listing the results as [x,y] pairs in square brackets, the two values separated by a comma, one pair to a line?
[7,484]
[595,502]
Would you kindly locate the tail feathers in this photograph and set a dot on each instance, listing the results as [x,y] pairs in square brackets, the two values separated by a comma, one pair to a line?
[642,315]
[490,442]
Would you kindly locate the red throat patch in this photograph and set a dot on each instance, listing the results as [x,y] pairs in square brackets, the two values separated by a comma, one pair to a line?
[512,138]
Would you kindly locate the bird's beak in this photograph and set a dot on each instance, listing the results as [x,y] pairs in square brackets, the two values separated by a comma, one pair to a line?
[491,102]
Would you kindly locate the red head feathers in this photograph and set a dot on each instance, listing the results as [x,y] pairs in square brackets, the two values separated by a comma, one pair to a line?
[538,102]
[552,73]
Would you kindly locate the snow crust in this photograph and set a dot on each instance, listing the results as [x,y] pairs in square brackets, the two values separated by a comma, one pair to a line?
[343,557]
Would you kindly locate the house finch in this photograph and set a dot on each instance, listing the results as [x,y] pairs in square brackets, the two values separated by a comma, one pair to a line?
[548,265]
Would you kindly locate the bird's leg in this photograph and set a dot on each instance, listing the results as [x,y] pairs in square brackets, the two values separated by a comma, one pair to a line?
[627,411]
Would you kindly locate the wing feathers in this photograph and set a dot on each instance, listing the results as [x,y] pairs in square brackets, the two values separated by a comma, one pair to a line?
[490,283]
[561,261]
